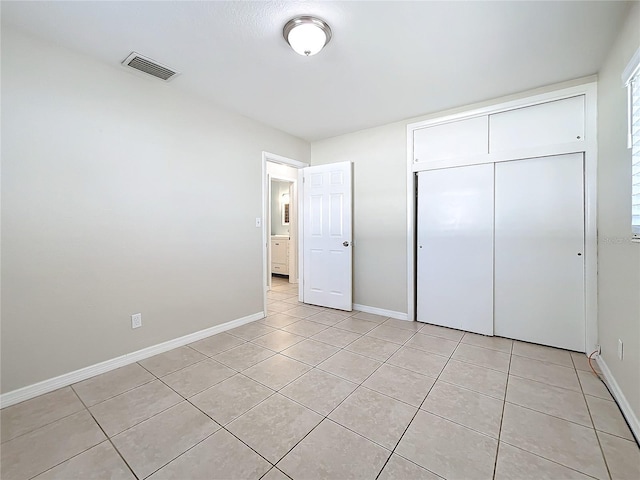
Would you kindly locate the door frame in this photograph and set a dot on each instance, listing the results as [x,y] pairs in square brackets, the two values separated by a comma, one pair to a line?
[590,149]
[266,187]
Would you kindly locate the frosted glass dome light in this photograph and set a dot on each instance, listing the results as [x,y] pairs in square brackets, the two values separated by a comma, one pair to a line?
[307,35]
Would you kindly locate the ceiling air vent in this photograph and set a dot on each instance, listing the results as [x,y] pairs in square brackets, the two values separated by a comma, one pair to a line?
[146,65]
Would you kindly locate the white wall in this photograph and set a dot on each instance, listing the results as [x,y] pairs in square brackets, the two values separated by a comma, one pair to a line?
[117,194]
[379,211]
[618,257]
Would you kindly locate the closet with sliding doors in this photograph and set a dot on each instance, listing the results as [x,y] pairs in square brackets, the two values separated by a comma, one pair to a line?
[504,219]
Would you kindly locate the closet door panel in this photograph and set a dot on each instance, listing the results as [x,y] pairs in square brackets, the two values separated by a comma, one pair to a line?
[551,123]
[539,251]
[463,138]
[455,248]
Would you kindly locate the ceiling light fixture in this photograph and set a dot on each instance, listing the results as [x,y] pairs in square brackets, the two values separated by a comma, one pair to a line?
[306,35]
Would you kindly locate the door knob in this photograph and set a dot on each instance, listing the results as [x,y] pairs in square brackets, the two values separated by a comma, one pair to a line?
[345,243]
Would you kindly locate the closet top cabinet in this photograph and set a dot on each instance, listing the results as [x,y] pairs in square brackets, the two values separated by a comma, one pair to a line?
[530,130]
[551,123]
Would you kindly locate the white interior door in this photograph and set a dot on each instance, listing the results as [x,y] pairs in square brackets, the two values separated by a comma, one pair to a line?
[455,248]
[539,251]
[327,236]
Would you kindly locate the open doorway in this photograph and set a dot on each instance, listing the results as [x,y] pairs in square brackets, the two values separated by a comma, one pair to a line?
[282,181]
[319,249]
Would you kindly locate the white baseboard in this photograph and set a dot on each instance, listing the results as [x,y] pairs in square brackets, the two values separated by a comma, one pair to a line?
[627,411]
[381,311]
[46,386]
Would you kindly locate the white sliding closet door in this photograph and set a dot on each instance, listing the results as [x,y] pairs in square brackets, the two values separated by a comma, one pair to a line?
[455,248]
[539,251]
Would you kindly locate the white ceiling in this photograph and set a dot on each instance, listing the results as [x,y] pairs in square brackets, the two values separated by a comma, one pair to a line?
[388,60]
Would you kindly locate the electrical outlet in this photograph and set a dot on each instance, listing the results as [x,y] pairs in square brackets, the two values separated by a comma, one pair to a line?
[136,320]
[620,350]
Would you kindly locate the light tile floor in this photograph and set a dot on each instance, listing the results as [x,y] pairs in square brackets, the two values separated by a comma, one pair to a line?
[312,393]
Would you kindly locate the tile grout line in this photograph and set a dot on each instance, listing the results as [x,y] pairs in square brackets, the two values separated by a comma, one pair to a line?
[145,420]
[121,393]
[342,378]
[275,468]
[548,460]
[108,438]
[559,418]
[504,404]
[43,425]
[245,341]
[546,362]
[357,386]
[416,414]
[80,399]
[179,455]
[595,431]
[462,360]
[326,417]
[548,384]
[271,395]
[105,434]
[549,415]
[222,427]
[361,384]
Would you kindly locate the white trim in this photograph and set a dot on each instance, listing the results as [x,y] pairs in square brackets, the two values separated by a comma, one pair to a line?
[266,190]
[300,197]
[46,386]
[525,101]
[536,152]
[381,311]
[623,403]
[591,218]
[411,224]
[631,79]
[631,69]
[588,146]
[274,158]
[267,226]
